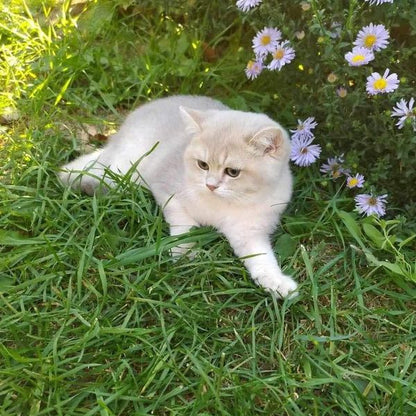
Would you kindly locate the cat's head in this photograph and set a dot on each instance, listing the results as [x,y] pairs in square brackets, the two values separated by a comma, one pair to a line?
[235,155]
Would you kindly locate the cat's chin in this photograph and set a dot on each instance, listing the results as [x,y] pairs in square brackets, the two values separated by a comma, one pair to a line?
[218,193]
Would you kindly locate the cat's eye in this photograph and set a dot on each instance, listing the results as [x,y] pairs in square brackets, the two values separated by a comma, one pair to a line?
[202,165]
[233,173]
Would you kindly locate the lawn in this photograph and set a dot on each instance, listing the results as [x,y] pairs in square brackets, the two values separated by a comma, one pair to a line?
[96,317]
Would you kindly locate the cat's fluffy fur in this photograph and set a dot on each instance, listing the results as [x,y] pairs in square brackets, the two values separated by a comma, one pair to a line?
[206,165]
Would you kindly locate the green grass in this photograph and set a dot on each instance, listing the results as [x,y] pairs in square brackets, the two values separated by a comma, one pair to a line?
[96,317]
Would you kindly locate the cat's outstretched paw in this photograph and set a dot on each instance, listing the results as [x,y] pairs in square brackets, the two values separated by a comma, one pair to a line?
[283,286]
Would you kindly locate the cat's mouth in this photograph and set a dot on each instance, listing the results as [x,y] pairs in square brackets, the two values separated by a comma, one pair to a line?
[214,190]
[220,193]
[217,192]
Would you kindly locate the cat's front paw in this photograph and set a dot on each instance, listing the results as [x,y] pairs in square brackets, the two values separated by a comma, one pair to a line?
[283,286]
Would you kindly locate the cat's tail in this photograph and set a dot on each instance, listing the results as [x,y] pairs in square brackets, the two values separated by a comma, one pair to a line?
[86,173]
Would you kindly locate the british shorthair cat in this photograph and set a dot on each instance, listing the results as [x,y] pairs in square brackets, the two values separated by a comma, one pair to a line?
[205,164]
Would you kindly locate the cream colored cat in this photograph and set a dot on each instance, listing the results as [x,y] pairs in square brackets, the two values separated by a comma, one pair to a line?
[206,165]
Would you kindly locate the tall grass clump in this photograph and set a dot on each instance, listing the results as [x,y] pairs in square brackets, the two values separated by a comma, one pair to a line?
[97,319]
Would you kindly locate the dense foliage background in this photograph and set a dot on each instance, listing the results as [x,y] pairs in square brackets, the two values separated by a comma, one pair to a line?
[208,44]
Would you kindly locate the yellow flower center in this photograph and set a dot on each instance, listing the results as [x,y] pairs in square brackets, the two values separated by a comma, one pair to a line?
[265,40]
[279,54]
[250,65]
[380,84]
[358,58]
[352,182]
[372,201]
[370,40]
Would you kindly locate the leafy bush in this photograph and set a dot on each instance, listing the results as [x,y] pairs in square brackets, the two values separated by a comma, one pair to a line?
[358,125]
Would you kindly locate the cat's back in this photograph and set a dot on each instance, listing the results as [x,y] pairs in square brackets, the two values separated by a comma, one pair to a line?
[163,114]
[158,121]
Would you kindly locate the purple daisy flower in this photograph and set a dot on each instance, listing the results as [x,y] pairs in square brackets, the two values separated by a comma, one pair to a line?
[282,55]
[253,69]
[356,181]
[371,205]
[304,129]
[405,111]
[359,56]
[377,2]
[334,167]
[266,41]
[303,152]
[374,37]
[380,84]
[246,5]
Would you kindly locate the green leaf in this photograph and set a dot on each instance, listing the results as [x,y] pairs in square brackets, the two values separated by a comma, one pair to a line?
[286,246]
[375,235]
[352,226]
[16,239]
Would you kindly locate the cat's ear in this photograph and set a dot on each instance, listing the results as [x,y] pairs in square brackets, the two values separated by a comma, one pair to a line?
[192,119]
[271,141]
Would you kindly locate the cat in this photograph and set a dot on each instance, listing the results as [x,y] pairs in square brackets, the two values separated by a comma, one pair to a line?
[205,164]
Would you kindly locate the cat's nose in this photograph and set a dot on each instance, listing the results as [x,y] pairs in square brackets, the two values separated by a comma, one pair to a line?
[212,187]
